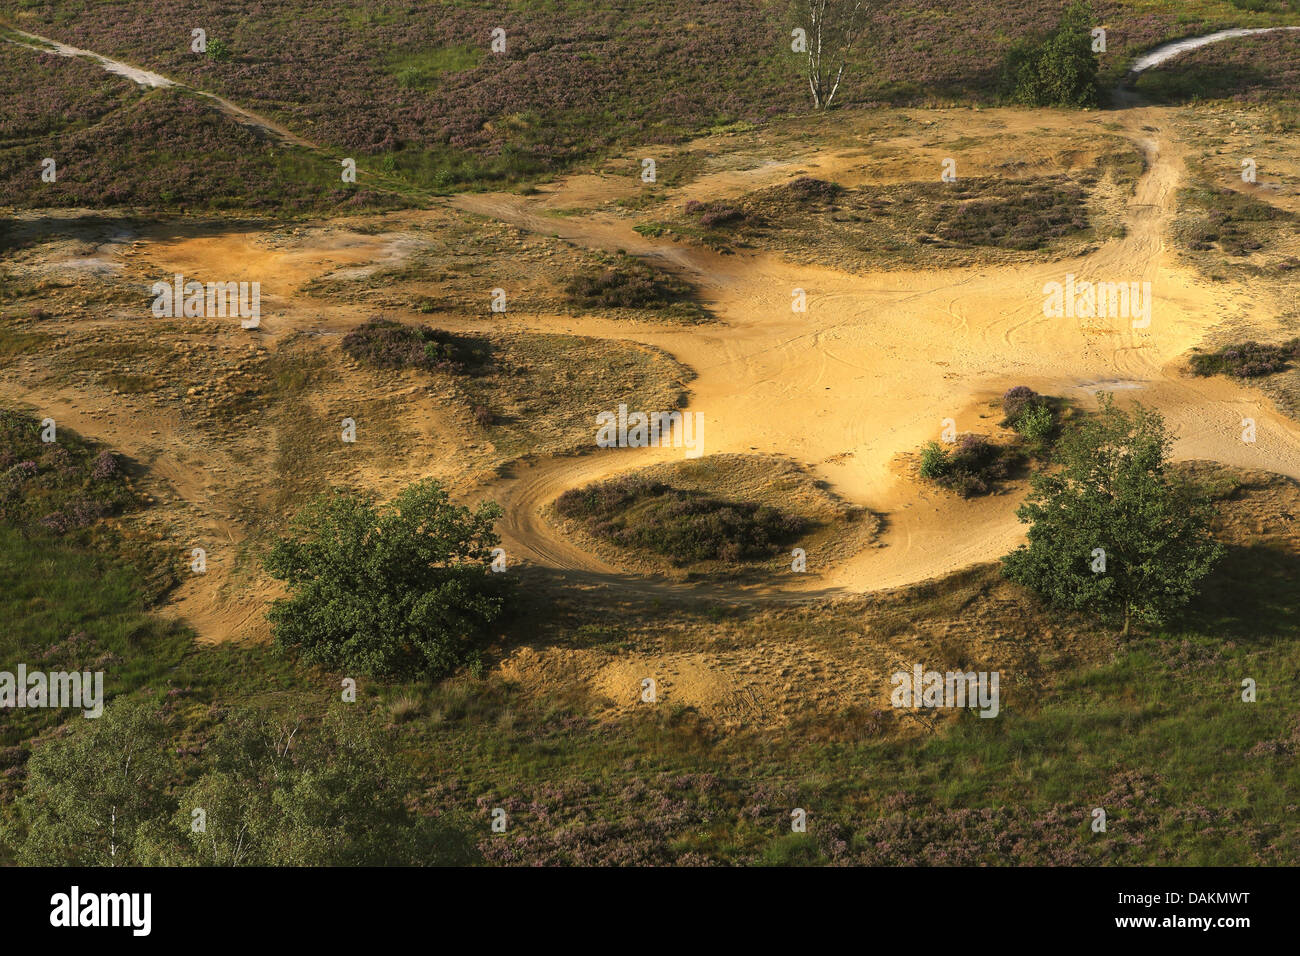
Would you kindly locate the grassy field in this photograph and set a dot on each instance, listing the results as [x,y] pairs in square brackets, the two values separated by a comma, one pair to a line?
[416,95]
[1152,731]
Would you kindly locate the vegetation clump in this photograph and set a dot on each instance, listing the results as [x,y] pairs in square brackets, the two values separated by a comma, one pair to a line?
[56,487]
[1060,70]
[627,283]
[683,525]
[1114,530]
[384,343]
[400,590]
[1247,359]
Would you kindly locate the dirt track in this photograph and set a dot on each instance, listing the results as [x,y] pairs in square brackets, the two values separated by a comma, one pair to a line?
[866,375]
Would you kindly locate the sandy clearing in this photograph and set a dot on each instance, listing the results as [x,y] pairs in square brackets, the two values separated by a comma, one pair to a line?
[866,376]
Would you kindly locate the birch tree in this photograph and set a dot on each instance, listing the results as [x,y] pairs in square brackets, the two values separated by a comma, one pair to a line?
[832,27]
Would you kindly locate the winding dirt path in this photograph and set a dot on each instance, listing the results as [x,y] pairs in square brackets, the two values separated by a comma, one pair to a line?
[866,375]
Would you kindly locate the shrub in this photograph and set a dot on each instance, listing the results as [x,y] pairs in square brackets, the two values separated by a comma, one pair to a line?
[1114,492]
[394,591]
[971,468]
[1059,71]
[809,189]
[1036,424]
[1247,359]
[218,50]
[631,284]
[934,462]
[716,214]
[58,487]
[684,526]
[384,343]
[1015,401]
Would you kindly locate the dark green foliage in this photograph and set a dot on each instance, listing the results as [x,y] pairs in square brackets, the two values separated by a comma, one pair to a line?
[1115,492]
[684,526]
[393,591]
[1247,359]
[1058,71]
[973,467]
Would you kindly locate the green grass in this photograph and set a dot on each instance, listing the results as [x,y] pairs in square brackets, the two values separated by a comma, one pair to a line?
[421,70]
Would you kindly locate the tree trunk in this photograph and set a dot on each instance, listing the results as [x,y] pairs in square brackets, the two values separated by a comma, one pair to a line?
[1127,620]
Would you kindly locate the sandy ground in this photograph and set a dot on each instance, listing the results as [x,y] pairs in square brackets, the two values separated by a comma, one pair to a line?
[865,376]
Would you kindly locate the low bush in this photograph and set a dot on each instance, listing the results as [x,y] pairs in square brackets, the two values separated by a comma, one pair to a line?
[684,526]
[973,467]
[56,487]
[717,214]
[384,343]
[1247,359]
[630,284]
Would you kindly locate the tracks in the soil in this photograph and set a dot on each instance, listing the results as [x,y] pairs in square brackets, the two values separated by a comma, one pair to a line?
[880,343]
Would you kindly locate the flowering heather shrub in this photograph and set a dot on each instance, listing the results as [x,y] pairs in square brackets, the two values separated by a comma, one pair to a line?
[972,468]
[809,189]
[1032,215]
[57,457]
[81,513]
[1248,359]
[58,487]
[385,343]
[714,215]
[104,466]
[684,526]
[628,284]
[1016,401]
[22,471]
[164,150]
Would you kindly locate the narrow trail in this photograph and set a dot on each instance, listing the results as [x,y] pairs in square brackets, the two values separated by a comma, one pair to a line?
[156,81]
[865,376]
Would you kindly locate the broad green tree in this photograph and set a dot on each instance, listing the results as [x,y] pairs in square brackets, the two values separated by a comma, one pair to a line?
[277,794]
[395,591]
[1114,530]
[96,796]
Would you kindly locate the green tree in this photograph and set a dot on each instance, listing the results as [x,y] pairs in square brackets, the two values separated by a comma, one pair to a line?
[1114,491]
[1058,71]
[97,796]
[391,591]
[335,796]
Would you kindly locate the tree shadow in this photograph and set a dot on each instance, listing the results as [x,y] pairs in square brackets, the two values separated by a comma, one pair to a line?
[1252,594]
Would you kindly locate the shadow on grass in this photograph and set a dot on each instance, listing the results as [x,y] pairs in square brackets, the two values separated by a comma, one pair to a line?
[1251,595]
